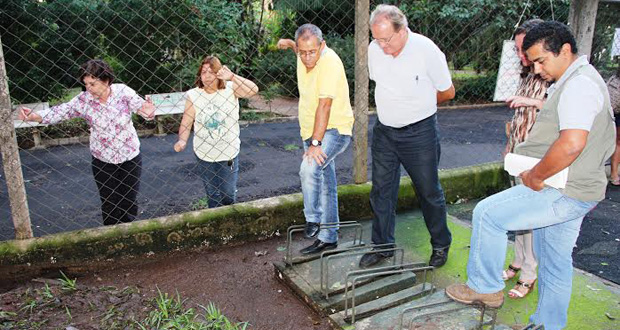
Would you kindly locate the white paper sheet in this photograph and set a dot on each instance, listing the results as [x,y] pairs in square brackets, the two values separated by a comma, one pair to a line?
[516,164]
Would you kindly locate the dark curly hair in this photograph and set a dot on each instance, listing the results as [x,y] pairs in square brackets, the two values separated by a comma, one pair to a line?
[527,26]
[524,29]
[553,35]
[97,69]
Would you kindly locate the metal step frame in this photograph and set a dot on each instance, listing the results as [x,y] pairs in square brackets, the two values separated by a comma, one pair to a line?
[382,271]
[483,308]
[359,232]
[328,256]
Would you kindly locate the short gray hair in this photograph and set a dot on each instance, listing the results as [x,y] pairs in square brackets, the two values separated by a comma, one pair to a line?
[308,30]
[392,14]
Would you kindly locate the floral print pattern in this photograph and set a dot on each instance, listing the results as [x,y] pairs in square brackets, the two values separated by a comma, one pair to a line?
[532,86]
[113,138]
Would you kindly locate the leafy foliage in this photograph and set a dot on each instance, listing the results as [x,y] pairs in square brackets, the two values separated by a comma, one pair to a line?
[170,313]
[155,46]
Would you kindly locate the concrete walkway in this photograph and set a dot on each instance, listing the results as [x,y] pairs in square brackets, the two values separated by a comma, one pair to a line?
[594,300]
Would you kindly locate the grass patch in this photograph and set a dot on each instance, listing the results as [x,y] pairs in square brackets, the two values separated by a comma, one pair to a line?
[52,306]
[171,314]
[199,204]
[291,146]
[67,283]
[251,115]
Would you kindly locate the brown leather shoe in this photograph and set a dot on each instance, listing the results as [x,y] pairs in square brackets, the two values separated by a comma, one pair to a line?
[463,294]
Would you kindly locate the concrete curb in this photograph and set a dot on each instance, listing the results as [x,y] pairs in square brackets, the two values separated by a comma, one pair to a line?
[248,221]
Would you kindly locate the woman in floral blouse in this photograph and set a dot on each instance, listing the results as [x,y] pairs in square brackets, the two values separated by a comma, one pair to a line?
[114,143]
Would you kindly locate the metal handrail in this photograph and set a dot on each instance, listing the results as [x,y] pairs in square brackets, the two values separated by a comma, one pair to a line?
[340,251]
[297,228]
[415,267]
[325,263]
[455,309]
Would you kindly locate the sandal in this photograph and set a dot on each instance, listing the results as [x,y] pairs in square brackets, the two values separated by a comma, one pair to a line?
[521,289]
[615,182]
[512,269]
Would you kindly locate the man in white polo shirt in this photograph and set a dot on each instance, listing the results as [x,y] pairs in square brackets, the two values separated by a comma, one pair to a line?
[412,77]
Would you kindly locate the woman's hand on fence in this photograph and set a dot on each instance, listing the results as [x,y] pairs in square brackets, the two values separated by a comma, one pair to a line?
[147,111]
[180,146]
[225,74]
[26,114]
[522,101]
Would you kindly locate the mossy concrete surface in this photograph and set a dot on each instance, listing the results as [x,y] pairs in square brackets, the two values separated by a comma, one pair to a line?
[236,223]
[592,298]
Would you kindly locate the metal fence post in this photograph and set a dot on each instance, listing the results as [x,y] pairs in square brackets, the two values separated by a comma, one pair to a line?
[360,127]
[581,19]
[10,160]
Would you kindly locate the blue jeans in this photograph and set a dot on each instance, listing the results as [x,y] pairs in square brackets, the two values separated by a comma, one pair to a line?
[556,221]
[220,181]
[417,148]
[319,185]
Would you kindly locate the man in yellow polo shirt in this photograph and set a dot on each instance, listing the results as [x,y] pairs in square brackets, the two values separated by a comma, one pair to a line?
[326,122]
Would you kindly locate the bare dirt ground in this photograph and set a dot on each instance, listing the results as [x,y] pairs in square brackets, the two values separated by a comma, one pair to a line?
[239,280]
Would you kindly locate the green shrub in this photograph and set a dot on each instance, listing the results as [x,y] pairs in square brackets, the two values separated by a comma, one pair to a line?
[276,67]
[345,48]
[475,89]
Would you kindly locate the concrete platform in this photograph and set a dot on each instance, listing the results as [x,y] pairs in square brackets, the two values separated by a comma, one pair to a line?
[381,300]
[332,281]
[445,315]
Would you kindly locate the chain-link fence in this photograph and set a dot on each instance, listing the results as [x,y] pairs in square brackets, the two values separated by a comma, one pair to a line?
[156,47]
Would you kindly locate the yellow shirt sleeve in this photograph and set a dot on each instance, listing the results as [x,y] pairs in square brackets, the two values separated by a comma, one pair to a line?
[328,78]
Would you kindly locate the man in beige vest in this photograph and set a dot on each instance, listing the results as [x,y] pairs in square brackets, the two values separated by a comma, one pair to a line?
[573,130]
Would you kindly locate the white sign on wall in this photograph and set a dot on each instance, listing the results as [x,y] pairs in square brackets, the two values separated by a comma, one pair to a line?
[168,103]
[509,74]
[615,45]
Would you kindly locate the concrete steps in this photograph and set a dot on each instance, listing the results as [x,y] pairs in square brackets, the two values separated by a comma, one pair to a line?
[371,291]
[440,313]
[381,303]
[393,292]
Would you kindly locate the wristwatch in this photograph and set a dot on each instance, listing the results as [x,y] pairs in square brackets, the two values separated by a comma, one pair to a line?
[315,142]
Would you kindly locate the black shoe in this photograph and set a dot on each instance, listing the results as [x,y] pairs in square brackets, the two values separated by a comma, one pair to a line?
[318,246]
[312,228]
[439,257]
[373,258]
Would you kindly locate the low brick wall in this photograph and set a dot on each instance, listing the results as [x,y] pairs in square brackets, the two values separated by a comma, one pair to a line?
[248,221]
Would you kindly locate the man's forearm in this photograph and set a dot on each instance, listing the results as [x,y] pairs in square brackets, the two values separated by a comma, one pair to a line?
[560,155]
[321,119]
[447,95]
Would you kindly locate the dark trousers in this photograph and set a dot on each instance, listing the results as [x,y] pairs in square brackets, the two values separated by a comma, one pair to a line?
[417,148]
[118,186]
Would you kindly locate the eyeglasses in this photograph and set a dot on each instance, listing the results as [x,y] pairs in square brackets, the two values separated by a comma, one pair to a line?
[310,53]
[384,40]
